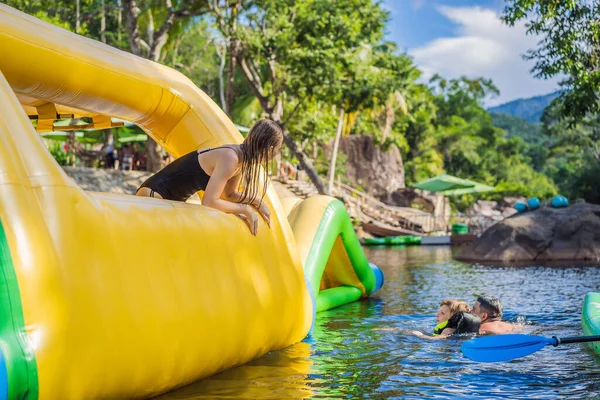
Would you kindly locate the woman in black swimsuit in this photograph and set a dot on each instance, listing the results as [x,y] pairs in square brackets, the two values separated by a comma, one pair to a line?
[218,172]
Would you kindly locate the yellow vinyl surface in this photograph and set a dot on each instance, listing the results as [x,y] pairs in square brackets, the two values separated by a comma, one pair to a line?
[112,296]
[125,296]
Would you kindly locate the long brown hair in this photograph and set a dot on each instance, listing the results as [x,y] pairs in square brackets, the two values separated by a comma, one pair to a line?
[263,140]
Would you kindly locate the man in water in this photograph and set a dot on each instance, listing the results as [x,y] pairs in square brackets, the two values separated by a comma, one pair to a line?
[489,309]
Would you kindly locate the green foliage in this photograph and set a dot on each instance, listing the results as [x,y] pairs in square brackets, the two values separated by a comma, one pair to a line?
[517,127]
[58,152]
[569,47]
[452,132]
[316,122]
[192,51]
[299,48]
[573,159]
[304,59]
[322,164]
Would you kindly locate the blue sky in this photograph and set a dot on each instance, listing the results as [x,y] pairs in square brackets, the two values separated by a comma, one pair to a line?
[465,37]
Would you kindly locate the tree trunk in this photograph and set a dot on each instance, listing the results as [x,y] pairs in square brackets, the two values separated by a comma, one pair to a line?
[102,22]
[77,17]
[222,52]
[150,29]
[119,21]
[154,162]
[234,43]
[230,95]
[159,38]
[336,144]
[311,172]
[390,117]
[132,12]
[275,113]
[109,139]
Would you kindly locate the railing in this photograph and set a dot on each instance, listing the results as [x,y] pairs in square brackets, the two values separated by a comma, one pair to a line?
[371,207]
[366,208]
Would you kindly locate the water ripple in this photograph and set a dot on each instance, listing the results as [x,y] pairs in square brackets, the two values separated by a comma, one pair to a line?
[354,354]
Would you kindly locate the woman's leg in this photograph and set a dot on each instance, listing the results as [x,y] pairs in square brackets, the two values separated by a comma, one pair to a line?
[147,192]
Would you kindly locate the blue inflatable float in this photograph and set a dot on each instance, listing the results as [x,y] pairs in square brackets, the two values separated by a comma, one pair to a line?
[560,201]
[520,206]
[534,203]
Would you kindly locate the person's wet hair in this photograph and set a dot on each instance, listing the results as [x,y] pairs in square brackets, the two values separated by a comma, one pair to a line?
[455,305]
[491,305]
[264,139]
[464,322]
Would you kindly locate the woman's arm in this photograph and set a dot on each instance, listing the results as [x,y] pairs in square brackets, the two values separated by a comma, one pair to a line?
[216,186]
[232,194]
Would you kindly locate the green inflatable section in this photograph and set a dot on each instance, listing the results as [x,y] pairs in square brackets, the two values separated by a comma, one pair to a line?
[393,240]
[21,370]
[590,318]
[336,222]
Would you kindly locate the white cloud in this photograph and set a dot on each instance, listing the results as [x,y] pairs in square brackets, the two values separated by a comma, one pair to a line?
[484,47]
[417,4]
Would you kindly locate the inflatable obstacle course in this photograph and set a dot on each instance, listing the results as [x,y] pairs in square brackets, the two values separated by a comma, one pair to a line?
[393,240]
[590,318]
[116,296]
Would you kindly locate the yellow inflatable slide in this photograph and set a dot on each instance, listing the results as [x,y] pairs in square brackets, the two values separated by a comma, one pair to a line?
[116,296]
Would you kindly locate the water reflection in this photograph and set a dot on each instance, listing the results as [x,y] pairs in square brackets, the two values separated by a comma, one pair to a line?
[278,375]
[350,356]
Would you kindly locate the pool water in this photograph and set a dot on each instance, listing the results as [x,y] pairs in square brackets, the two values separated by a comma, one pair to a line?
[353,354]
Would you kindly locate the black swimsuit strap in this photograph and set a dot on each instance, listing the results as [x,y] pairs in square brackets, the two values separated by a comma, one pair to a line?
[214,148]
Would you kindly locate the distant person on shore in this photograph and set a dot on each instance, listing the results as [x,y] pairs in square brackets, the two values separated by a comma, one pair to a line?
[489,309]
[126,158]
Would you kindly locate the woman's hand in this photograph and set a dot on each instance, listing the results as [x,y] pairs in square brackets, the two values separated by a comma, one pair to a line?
[251,219]
[264,211]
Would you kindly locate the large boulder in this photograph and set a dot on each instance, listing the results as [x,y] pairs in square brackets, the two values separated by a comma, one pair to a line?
[546,234]
[377,171]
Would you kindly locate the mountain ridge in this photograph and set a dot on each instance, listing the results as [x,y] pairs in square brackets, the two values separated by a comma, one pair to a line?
[529,109]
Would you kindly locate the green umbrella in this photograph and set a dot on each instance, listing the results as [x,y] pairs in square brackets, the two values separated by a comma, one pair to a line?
[478,188]
[449,185]
[443,183]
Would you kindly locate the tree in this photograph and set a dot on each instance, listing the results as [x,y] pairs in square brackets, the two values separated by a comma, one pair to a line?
[573,159]
[193,50]
[570,46]
[288,52]
[156,39]
[373,79]
[355,89]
